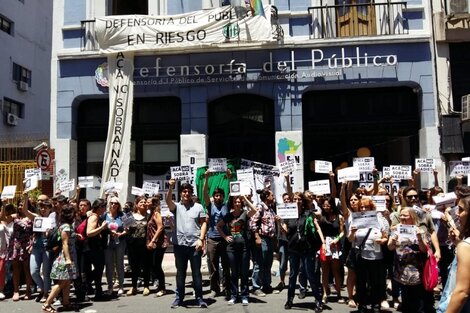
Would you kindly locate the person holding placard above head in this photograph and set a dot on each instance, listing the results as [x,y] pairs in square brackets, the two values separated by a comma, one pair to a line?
[304,240]
[40,257]
[234,228]
[114,252]
[19,247]
[263,227]
[407,240]
[216,245]
[347,207]
[367,235]
[188,241]
[332,227]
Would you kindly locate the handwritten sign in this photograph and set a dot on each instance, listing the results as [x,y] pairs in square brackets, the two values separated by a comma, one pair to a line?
[324,167]
[67,186]
[320,187]
[8,192]
[364,164]
[402,172]
[217,165]
[136,191]
[89,181]
[458,168]
[287,211]
[30,172]
[425,165]
[181,172]
[287,166]
[348,174]
[150,188]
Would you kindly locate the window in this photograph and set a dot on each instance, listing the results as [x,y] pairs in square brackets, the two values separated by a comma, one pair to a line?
[124,7]
[13,107]
[6,25]
[21,74]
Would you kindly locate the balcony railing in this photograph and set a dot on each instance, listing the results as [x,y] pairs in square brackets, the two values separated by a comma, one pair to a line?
[353,20]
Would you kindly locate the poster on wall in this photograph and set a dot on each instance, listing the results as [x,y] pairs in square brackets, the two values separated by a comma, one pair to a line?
[289,147]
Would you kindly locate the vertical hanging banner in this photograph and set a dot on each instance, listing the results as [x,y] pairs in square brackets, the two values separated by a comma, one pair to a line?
[118,144]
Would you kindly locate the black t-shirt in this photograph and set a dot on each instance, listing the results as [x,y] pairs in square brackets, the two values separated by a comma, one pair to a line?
[295,233]
[237,227]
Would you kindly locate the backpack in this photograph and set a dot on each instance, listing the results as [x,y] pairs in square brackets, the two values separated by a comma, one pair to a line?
[54,240]
[81,231]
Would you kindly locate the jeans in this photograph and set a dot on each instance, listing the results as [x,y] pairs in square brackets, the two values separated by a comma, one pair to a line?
[183,254]
[158,255]
[283,257]
[216,253]
[306,259]
[39,256]
[371,275]
[316,276]
[239,259]
[114,258]
[263,259]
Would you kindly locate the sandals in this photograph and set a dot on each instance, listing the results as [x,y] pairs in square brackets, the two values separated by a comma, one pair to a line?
[48,309]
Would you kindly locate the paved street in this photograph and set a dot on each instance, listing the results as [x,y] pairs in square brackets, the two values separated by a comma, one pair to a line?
[271,303]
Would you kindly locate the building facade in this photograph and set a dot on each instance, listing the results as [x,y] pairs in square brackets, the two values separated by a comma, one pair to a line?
[338,80]
[25,92]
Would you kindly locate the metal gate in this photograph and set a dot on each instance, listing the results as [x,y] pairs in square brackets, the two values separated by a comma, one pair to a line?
[12,173]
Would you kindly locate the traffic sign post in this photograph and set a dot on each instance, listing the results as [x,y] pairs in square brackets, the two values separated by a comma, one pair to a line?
[43,159]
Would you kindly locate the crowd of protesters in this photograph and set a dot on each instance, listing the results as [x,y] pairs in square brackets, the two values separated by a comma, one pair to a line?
[322,248]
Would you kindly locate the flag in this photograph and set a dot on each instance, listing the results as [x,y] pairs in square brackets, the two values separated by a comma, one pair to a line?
[257,7]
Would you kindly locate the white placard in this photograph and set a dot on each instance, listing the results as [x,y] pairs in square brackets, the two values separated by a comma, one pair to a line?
[324,167]
[165,210]
[466,159]
[89,182]
[181,172]
[364,164]
[445,200]
[402,172]
[112,186]
[320,187]
[240,188]
[67,186]
[287,166]
[41,224]
[365,219]
[406,233]
[30,172]
[30,183]
[9,192]
[380,203]
[458,168]
[348,174]
[246,176]
[217,165]
[136,191]
[287,211]
[425,165]
[150,188]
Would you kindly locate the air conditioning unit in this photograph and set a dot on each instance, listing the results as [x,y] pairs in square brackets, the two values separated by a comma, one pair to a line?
[466,107]
[12,119]
[23,86]
[459,7]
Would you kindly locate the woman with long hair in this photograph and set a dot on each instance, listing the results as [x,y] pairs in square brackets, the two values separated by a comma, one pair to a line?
[114,253]
[157,242]
[238,250]
[19,248]
[332,226]
[302,249]
[410,252]
[64,267]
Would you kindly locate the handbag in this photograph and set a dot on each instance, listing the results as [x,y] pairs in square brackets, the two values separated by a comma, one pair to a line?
[430,272]
[355,253]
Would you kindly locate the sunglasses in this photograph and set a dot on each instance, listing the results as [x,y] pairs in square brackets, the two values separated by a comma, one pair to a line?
[114,203]
[412,196]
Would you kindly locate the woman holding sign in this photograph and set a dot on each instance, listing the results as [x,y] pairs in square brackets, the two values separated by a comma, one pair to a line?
[410,253]
[367,239]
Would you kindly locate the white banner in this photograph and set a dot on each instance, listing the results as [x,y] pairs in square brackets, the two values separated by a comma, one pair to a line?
[348,174]
[320,187]
[118,144]
[287,211]
[192,29]
[8,192]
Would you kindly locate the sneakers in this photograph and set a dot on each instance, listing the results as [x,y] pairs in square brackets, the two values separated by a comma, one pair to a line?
[231,301]
[146,292]
[177,303]
[160,293]
[384,305]
[259,293]
[2,296]
[120,292]
[302,294]
[201,303]
[131,292]
[245,301]
[288,305]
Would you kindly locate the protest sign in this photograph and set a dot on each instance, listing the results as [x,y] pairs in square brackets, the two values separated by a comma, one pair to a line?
[240,188]
[287,211]
[364,164]
[425,165]
[217,165]
[30,172]
[181,172]
[128,220]
[112,187]
[380,203]
[89,181]
[445,200]
[30,183]
[136,191]
[67,186]
[458,168]
[41,224]
[287,166]
[320,187]
[150,188]
[402,172]
[9,192]
[406,233]
[324,167]
[348,174]
[365,219]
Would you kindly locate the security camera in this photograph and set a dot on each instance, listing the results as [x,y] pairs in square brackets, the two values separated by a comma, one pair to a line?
[40,146]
